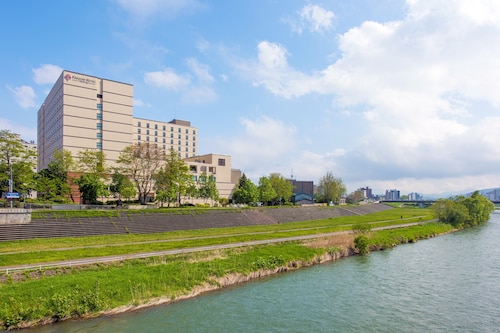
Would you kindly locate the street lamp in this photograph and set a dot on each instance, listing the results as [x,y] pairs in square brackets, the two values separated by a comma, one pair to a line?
[11,183]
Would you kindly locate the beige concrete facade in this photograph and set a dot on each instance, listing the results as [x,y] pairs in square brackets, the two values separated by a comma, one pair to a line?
[175,134]
[87,112]
[220,167]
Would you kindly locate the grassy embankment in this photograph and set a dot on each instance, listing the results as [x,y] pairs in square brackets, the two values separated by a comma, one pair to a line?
[72,292]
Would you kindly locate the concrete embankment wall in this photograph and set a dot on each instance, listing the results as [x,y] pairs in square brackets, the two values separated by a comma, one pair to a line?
[14,216]
[144,222]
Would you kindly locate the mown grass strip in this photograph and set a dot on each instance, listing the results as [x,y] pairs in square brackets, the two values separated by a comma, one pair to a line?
[409,215]
[79,292]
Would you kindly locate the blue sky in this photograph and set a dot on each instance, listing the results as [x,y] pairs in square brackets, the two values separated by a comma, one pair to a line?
[382,93]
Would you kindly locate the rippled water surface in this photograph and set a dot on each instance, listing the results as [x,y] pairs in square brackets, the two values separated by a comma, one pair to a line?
[449,283]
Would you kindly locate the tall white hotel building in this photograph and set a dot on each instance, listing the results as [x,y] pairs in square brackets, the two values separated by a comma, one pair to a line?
[87,112]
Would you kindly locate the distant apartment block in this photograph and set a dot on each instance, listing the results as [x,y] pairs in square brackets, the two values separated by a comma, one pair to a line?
[414,196]
[87,112]
[392,195]
[493,195]
[366,192]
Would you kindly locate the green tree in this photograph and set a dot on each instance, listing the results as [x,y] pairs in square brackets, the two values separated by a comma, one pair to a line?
[173,180]
[16,158]
[266,190]
[121,186]
[92,161]
[91,187]
[282,186]
[207,188]
[141,162]
[331,188]
[92,182]
[52,182]
[479,208]
[464,212]
[245,192]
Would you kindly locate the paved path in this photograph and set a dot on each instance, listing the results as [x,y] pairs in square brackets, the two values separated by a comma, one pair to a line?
[108,259]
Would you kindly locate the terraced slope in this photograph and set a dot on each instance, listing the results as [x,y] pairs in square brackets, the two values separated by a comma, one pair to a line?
[141,223]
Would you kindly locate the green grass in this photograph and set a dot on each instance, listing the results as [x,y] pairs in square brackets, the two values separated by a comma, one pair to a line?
[57,249]
[385,239]
[89,290]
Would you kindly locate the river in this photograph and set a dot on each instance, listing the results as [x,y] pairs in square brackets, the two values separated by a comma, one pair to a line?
[449,283]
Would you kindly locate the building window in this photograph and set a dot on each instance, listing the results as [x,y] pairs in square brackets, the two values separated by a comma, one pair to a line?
[222,162]
[187,137]
[187,143]
[187,131]
[195,178]
[164,147]
[187,149]
[164,140]
[156,133]
[171,135]
[194,144]
[178,136]
[147,138]
[139,130]
[147,125]
[171,142]
[164,134]
[211,169]
[99,145]
[179,143]
[194,132]
[194,150]
[156,126]
[179,130]
[99,116]
[147,132]
[171,129]
[156,139]
[99,126]
[99,135]
[99,95]
[164,127]
[192,168]
[138,138]
[99,106]
[138,124]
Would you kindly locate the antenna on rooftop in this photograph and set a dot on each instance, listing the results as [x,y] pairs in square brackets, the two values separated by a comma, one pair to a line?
[291,177]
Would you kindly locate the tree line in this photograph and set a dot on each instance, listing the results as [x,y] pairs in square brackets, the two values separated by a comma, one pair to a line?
[141,169]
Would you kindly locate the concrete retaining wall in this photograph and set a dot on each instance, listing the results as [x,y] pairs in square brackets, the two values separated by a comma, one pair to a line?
[15,216]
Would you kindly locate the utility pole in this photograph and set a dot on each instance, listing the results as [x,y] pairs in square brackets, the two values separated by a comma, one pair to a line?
[11,183]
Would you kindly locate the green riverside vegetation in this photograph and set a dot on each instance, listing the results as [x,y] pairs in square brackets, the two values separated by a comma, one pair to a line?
[55,294]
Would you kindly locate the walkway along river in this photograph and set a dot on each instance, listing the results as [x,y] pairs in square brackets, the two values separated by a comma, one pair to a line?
[449,283]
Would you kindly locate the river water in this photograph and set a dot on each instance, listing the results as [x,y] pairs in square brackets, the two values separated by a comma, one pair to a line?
[449,283]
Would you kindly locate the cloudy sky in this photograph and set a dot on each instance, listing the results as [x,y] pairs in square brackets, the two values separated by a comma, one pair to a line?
[389,94]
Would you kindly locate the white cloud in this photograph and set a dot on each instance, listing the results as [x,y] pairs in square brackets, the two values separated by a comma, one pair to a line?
[198,92]
[46,74]
[427,85]
[317,18]
[201,71]
[26,133]
[140,103]
[167,79]
[263,146]
[312,17]
[25,96]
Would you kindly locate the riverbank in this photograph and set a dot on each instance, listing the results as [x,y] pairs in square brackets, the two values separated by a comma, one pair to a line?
[102,290]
